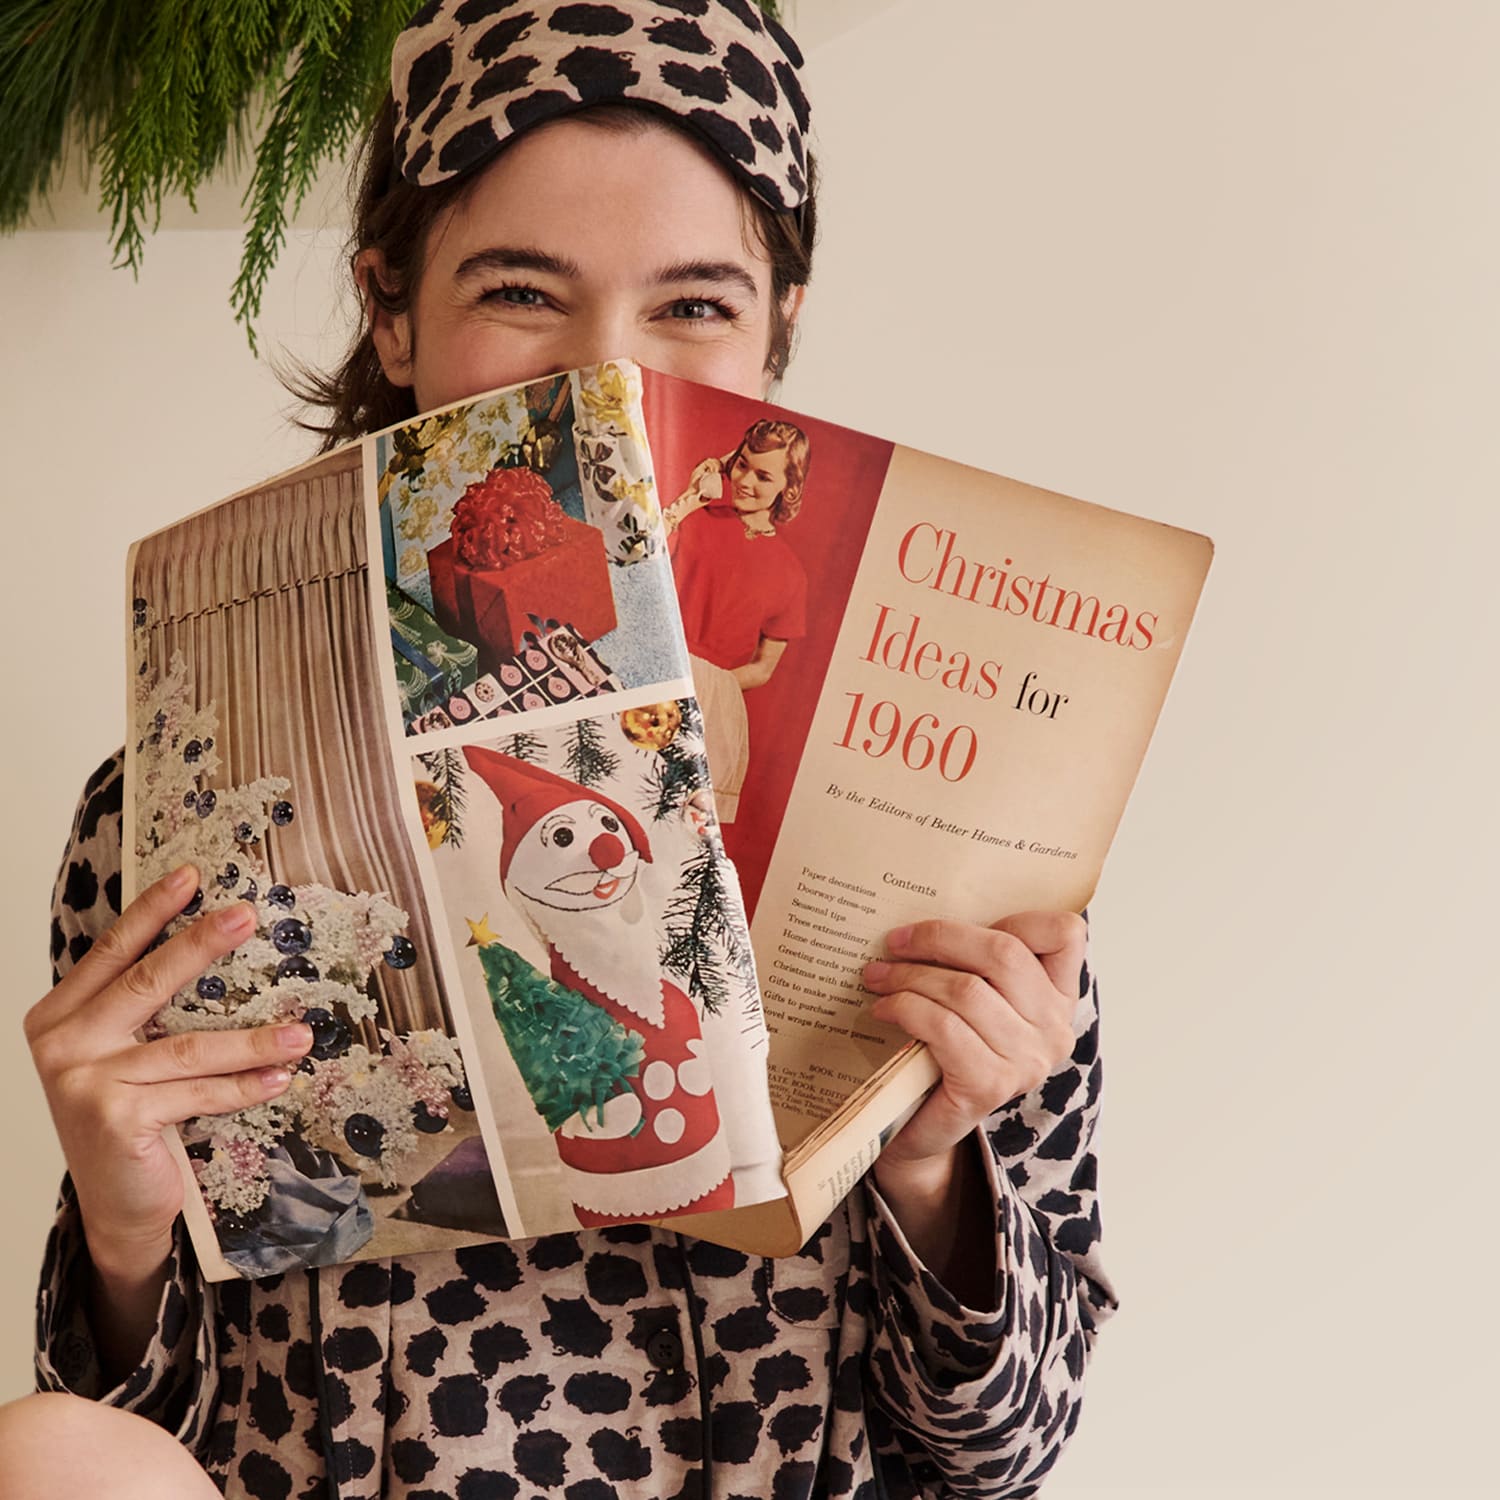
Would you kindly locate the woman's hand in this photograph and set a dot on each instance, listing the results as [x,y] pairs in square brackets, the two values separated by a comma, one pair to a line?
[705,485]
[995,1007]
[112,1096]
[758,670]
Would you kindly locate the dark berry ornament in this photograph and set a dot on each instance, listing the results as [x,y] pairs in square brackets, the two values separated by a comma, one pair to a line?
[365,1134]
[291,936]
[244,833]
[402,953]
[229,875]
[306,1066]
[330,1035]
[195,905]
[192,751]
[207,801]
[250,892]
[160,721]
[282,814]
[232,1223]
[200,1151]
[296,967]
[189,799]
[208,742]
[211,987]
[139,608]
[424,1119]
[461,1096]
[281,895]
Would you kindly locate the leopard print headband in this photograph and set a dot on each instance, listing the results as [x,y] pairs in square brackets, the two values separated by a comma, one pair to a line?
[470,75]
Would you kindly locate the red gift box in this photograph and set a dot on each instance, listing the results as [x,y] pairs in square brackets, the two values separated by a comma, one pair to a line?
[489,606]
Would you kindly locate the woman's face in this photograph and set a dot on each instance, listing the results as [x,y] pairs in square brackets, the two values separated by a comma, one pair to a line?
[580,244]
[756,480]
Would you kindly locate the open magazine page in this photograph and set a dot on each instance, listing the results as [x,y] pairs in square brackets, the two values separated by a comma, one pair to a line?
[465,789]
[593,934]
[964,673]
[255,753]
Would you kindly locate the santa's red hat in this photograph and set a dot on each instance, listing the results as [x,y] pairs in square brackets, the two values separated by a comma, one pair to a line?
[528,793]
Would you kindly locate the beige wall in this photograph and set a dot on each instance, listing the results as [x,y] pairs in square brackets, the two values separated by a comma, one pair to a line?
[1228,264]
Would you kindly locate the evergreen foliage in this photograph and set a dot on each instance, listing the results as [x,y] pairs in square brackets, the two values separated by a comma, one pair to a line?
[678,769]
[674,775]
[524,746]
[163,94]
[705,947]
[588,759]
[446,767]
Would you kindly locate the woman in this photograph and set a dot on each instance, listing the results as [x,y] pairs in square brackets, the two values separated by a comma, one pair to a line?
[742,590]
[515,219]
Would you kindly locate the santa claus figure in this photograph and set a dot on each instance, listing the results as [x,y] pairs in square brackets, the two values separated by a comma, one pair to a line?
[571,862]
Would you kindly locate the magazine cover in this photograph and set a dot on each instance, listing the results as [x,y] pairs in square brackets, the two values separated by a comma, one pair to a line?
[577,745]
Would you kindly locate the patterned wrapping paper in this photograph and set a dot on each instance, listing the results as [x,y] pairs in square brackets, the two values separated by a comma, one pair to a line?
[614,463]
[430,664]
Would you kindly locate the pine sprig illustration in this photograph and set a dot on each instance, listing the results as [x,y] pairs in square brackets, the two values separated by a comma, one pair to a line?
[705,947]
[675,773]
[588,760]
[524,746]
[449,799]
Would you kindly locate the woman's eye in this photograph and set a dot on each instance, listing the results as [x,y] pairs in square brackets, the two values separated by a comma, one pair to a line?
[514,296]
[700,310]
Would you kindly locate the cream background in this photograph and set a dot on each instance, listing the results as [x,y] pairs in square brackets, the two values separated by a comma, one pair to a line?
[1227,264]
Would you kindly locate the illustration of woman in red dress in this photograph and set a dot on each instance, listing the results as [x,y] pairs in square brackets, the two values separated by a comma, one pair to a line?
[742,590]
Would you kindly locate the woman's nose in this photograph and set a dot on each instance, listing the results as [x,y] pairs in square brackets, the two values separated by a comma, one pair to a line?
[602,334]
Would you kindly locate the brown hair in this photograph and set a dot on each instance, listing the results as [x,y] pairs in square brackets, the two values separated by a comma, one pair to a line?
[394,217]
[770,437]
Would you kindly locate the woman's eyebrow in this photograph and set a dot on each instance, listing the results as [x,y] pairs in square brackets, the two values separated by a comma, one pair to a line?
[518,258]
[710,270]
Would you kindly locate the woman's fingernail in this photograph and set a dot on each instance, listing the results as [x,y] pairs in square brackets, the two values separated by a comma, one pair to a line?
[298,1036]
[236,920]
[876,971]
[275,1079]
[182,880]
[898,937]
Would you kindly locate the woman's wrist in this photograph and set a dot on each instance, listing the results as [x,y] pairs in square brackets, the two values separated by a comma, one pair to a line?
[127,1266]
[942,1204]
[125,1287]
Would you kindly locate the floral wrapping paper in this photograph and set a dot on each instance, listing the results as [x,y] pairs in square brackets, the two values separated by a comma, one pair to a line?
[614,463]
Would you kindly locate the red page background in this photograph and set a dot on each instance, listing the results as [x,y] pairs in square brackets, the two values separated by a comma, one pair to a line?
[687,423]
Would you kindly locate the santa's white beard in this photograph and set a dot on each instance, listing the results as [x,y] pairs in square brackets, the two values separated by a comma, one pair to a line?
[615,949]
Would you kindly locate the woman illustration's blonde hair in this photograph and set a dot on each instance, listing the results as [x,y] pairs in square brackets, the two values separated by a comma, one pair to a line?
[767,437]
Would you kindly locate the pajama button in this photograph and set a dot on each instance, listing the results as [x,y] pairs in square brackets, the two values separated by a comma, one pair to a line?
[664,1349]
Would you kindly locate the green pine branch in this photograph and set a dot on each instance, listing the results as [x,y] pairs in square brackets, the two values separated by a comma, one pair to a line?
[706,945]
[588,759]
[675,773]
[446,768]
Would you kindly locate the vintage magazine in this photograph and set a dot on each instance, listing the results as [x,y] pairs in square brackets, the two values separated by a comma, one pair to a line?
[576,745]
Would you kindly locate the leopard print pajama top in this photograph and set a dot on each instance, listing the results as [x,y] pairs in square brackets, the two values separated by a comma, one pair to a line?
[623,1362]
